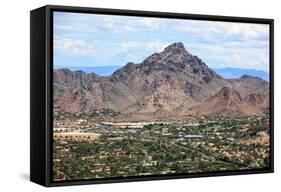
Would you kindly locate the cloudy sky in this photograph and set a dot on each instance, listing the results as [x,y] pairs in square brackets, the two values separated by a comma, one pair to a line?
[101,40]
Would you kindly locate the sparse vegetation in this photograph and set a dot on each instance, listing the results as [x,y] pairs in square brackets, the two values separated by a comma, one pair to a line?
[216,144]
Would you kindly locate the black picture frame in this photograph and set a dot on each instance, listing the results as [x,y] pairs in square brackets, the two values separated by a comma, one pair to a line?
[41,61]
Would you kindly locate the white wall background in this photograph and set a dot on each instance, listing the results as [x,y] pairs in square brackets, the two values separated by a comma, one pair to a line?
[14,95]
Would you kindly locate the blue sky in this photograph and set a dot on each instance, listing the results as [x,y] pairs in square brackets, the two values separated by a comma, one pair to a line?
[91,40]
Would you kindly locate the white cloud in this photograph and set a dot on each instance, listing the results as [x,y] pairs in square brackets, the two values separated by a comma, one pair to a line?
[74,47]
[132,58]
[115,38]
[156,46]
[100,23]
[241,61]
[151,23]
[63,27]
[129,44]
[150,46]
[109,20]
[224,30]
[247,30]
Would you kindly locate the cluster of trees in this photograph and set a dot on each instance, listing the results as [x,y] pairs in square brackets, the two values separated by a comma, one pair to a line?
[146,151]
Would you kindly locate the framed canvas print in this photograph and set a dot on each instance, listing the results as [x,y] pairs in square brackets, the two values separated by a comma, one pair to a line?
[122,95]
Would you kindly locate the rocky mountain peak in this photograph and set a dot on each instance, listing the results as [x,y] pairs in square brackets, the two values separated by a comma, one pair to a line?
[174,53]
[255,99]
[166,81]
[176,47]
[63,70]
[245,76]
[249,77]
[227,93]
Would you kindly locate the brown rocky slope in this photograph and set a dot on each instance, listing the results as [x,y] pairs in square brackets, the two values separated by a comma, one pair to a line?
[172,82]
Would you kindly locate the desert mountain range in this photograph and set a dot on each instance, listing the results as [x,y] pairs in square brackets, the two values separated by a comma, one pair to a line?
[170,83]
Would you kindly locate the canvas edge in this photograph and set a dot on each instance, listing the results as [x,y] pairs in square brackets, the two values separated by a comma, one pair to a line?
[48,64]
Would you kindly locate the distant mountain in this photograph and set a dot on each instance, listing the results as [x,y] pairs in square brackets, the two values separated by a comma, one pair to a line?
[227,73]
[166,84]
[101,70]
[230,73]
[229,102]
[247,84]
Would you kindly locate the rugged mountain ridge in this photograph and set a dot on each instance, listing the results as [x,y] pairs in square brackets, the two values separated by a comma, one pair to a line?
[172,82]
[229,102]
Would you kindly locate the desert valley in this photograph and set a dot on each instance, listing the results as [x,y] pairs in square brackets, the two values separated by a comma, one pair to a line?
[170,114]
